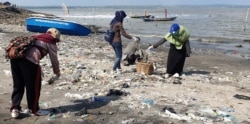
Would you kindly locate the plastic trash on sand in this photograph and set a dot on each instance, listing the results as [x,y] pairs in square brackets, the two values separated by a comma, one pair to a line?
[43,112]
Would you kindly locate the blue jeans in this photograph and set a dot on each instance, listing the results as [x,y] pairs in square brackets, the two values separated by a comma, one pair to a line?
[118,55]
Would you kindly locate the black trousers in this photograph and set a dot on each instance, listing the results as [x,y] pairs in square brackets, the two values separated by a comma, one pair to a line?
[26,75]
[176,60]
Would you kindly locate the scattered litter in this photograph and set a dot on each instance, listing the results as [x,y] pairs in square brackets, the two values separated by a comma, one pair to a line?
[128,121]
[242,97]
[76,96]
[7,72]
[148,102]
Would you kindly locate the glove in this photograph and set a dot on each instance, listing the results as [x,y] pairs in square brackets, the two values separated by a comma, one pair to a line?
[135,38]
[53,79]
[150,47]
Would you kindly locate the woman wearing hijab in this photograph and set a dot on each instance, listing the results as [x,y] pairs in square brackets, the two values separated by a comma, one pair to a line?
[26,72]
[178,36]
[117,26]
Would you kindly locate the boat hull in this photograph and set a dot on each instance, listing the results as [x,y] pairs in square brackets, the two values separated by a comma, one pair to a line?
[159,19]
[41,25]
[140,17]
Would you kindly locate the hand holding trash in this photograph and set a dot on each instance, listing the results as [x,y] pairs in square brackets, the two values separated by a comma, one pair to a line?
[53,79]
[150,47]
[136,38]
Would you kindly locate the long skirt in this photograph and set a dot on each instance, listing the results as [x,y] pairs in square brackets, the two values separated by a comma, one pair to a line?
[176,60]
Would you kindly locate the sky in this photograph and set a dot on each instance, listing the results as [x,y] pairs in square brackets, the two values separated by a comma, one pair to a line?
[123,2]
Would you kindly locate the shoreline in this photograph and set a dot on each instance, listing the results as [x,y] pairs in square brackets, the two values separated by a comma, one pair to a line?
[239,49]
[215,87]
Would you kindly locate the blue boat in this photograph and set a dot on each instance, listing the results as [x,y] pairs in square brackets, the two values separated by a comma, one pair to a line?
[41,25]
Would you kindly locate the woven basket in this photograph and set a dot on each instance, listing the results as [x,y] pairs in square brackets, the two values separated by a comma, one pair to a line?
[144,67]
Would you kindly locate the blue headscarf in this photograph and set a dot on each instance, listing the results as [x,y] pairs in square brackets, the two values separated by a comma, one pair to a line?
[119,16]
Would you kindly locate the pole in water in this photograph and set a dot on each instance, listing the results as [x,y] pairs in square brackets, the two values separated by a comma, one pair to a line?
[65,8]
[246,20]
[165,13]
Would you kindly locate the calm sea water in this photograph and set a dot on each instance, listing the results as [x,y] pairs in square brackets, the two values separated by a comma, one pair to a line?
[209,23]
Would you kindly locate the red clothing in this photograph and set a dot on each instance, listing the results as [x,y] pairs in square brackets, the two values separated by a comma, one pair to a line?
[48,45]
[26,72]
[46,38]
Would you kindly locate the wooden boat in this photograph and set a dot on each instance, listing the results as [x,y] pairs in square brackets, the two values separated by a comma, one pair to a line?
[159,19]
[140,16]
[152,18]
[37,24]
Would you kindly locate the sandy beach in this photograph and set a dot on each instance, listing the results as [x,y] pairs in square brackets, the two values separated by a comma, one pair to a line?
[214,89]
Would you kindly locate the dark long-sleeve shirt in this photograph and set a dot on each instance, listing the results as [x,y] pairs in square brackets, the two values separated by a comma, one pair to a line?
[160,42]
[34,54]
[119,30]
